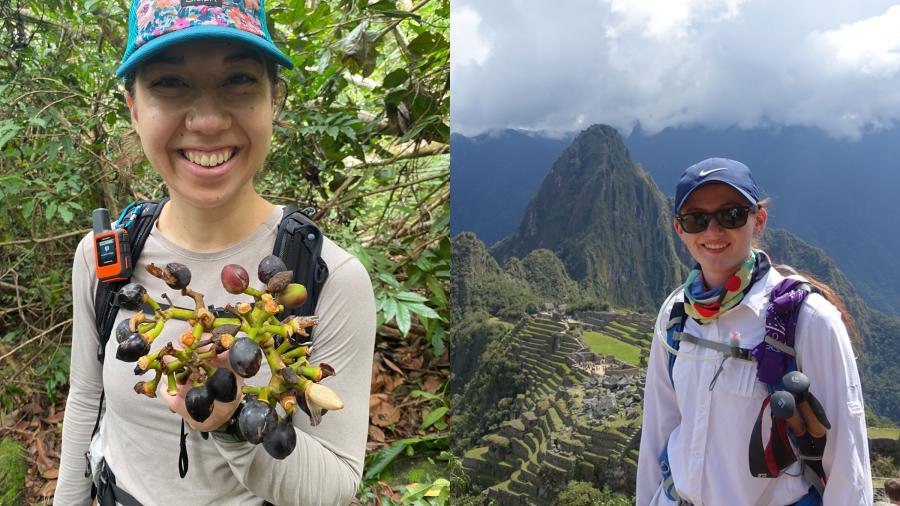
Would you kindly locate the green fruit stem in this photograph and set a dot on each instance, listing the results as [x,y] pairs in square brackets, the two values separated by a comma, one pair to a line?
[285,346]
[155,381]
[179,313]
[281,330]
[273,359]
[310,371]
[262,393]
[149,300]
[209,355]
[256,294]
[143,328]
[297,352]
[210,370]
[299,365]
[259,315]
[156,330]
[172,388]
[218,322]
[181,377]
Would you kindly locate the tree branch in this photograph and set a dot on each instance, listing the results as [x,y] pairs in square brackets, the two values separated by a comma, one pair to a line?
[45,239]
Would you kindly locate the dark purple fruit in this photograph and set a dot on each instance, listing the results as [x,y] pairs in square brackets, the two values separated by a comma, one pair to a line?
[279,281]
[256,421]
[177,275]
[199,403]
[270,266]
[122,330]
[132,348]
[222,385]
[235,278]
[281,441]
[131,296]
[245,357]
[294,295]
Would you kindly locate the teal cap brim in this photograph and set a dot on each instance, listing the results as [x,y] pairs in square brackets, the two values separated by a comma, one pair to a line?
[134,59]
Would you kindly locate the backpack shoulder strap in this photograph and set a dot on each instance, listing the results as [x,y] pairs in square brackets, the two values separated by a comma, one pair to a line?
[776,355]
[299,244]
[137,219]
[677,318]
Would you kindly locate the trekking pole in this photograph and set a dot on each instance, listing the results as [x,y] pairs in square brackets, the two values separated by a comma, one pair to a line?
[810,448]
[817,422]
[785,407]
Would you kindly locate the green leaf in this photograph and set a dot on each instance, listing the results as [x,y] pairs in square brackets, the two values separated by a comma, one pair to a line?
[28,209]
[434,416]
[422,44]
[415,491]
[415,394]
[395,78]
[390,280]
[410,297]
[390,309]
[443,222]
[437,342]
[422,310]
[8,130]
[50,212]
[404,320]
[65,214]
[382,458]
[439,296]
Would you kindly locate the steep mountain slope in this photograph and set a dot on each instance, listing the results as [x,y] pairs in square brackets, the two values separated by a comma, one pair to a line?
[604,218]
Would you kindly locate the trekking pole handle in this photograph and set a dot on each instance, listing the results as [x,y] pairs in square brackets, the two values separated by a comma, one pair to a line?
[812,412]
[785,408]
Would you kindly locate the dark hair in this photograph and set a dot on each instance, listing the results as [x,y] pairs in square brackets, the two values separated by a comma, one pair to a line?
[892,489]
[271,73]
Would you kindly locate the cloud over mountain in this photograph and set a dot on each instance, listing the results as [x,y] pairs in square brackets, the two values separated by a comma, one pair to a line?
[666,63]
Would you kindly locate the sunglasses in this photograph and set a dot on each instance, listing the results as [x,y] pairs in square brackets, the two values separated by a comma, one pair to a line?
[729,217]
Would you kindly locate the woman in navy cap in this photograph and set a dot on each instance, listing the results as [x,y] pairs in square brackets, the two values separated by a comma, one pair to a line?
[722,424]
[200,81]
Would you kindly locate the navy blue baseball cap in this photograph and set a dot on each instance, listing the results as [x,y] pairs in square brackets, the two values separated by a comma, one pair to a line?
[717,170]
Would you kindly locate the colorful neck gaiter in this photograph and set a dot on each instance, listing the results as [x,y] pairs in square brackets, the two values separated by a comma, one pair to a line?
[707,305]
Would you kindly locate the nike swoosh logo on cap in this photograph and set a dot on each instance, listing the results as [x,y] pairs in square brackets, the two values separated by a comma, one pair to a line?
[704,173]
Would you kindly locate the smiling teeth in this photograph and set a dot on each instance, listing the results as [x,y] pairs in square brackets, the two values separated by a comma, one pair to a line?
[715,246]
[209,159]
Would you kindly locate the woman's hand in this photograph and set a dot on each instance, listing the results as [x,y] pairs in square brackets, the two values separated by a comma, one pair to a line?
[222,411]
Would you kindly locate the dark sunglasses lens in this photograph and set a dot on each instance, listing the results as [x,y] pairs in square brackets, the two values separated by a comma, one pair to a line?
[694,222]
[734,217]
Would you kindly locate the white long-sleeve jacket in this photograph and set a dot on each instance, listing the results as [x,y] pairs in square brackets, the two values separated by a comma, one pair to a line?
[707,431]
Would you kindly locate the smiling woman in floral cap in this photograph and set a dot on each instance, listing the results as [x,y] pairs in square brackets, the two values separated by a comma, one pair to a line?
[200,81]
[723,422]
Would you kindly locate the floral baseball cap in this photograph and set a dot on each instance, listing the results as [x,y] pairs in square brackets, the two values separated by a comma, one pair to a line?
[154,25]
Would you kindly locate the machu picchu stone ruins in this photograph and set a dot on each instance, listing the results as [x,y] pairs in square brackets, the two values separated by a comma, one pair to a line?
[579,418]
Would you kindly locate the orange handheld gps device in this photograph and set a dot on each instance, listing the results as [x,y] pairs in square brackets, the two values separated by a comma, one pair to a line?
[111,250]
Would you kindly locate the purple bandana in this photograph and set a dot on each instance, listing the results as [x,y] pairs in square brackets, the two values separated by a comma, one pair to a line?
[781,323]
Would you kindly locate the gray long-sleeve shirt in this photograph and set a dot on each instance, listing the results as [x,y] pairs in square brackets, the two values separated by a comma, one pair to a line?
[140,436]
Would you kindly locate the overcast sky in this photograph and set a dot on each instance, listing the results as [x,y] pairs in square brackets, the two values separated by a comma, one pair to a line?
[561,66]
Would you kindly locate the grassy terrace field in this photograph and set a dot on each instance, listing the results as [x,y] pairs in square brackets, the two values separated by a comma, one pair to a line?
[601,343]
[884,433]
